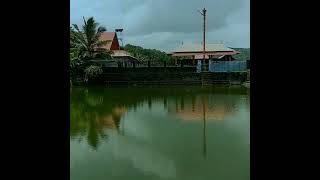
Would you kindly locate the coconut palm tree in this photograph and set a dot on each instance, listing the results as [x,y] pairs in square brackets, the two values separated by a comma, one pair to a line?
[86,42]
[88,38]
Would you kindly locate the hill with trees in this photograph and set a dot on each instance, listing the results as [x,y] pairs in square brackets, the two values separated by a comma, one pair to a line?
[244,53]
[155,56]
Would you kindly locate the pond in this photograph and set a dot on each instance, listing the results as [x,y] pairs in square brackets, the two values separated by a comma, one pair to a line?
[156,133]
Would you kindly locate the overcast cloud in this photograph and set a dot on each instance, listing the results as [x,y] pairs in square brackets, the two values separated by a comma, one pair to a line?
[165,24]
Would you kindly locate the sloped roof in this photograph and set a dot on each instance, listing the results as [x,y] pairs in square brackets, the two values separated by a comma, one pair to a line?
[122,53]
[210,53]
[189,47]
[107,36]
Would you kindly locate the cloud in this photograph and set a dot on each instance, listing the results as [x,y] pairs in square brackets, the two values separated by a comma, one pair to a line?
[163,24]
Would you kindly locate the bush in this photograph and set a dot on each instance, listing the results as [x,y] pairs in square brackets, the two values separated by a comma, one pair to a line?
[92,71]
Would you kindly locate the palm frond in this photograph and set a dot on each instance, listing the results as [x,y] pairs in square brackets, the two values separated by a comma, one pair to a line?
[76,27]
[88,38]
[101,29]
[78,39]
[90,30]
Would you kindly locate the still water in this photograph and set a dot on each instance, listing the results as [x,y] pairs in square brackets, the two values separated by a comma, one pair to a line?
[185,133]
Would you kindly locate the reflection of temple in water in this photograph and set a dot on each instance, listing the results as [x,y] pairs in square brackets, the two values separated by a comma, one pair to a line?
[93,115]
[112,120]
[196,108]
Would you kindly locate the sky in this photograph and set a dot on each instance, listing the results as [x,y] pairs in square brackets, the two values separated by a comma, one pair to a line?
[166,24]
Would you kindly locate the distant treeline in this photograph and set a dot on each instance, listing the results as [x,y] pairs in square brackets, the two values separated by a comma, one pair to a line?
[157,56]
[244,53]
[147,54]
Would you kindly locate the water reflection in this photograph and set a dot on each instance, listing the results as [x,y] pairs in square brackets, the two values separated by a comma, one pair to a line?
[93,111]
[165,133]
[89,123]
[204,109]
[197,108]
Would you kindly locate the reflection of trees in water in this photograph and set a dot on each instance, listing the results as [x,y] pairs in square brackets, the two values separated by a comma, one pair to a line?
[193,102]
[149,102]
[95,110]
[89,118]
[92,125]
[248,99]
[94,100]
[165,102]
[182,103]
[95,133]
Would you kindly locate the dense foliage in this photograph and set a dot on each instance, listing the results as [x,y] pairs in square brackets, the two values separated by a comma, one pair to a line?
[152,55]
[84,46]
[244,53]
[87,39]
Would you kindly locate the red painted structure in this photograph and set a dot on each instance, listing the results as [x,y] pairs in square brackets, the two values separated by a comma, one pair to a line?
[113,43]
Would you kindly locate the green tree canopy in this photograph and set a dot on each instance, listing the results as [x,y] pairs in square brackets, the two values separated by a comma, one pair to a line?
[87,40]
[152,55]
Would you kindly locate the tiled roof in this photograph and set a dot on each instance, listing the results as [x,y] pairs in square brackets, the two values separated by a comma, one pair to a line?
[199,48]
[107,36]
[214,53]
[121,53]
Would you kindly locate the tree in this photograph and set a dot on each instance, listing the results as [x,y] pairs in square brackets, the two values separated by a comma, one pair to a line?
[85,44]
[92,71]
[88,40]
[144,55]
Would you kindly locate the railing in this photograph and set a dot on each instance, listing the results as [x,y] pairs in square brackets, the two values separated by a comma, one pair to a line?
[225,66]
[214,66]
[150,69]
